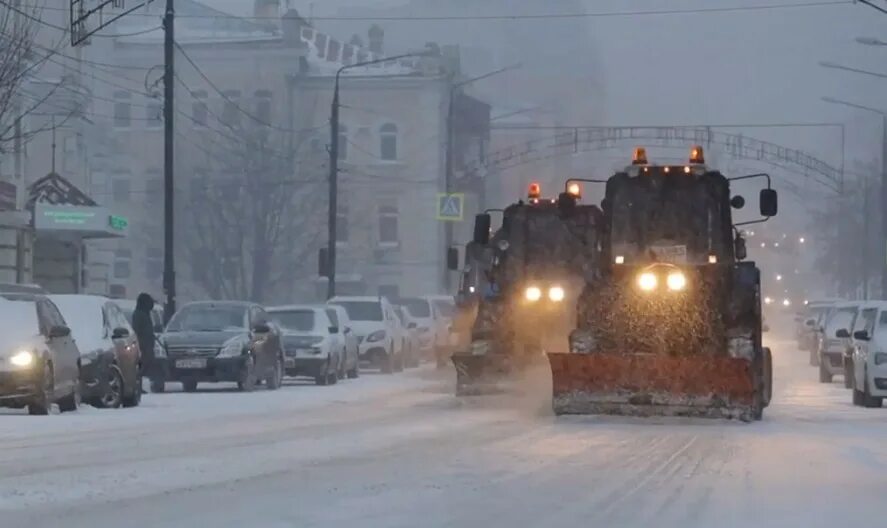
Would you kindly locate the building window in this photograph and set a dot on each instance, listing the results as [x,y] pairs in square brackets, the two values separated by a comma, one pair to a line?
[122,260]
[343,142]
[388,142]
[120,189]
[231,110]
[122,109]
[388,225]
[263,106]
[154,114]
[199,109]
[153,188]
[154,263]
[342,223]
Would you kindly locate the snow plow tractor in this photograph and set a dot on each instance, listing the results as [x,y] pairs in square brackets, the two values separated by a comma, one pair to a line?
[672,325]
[531,274]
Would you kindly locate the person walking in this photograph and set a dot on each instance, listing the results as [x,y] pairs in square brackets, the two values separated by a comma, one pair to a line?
[143,325]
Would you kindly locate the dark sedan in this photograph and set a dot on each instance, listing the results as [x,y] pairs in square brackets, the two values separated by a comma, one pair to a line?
[226,341]
[110,374]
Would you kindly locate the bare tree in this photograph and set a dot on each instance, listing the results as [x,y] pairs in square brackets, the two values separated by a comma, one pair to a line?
[258,224]
[20,59]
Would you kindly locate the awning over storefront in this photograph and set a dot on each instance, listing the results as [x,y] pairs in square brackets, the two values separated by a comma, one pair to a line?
[79,221]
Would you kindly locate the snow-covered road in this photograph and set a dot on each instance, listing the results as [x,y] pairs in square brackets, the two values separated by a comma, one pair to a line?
[400,451]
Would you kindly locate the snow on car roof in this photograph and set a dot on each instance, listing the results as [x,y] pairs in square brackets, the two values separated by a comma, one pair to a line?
[18,320]
[292,307]
[84,316]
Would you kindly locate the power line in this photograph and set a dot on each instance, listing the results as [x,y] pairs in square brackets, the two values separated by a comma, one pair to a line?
[64,29]
[873,6]
[539,16]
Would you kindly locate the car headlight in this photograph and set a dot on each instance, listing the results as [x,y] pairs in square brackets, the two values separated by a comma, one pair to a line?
[22,359]
[556,294]
[647,281]
[378,335]
[533,294]
[768,300]
[786,302]
[233,347]
[880,358]
[676,281]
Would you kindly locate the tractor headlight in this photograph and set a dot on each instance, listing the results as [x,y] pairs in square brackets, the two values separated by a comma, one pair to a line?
[556,294]
[22,359]
[533,293]
[647,281]
[676,281]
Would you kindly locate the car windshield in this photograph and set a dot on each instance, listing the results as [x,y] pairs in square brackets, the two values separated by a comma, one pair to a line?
[417,307]
[208,318]
[841,319]
[362,310]
[18,321]
[299,320]
[445,308]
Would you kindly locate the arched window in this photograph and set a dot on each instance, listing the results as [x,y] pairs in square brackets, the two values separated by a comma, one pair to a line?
[388,142]
[343,142]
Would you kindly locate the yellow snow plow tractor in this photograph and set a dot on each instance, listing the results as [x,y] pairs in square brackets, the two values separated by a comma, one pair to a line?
[532,271]
[671,326]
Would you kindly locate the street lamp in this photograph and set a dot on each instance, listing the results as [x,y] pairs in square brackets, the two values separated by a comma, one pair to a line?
[448,169]
[883,208]
[334,164]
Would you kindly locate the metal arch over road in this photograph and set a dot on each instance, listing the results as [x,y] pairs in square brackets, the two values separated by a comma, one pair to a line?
[577,140]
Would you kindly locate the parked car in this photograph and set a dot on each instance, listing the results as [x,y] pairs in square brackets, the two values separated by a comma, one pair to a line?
[39,361]
[411,337]
[836,339]
[807,321]
[313,345]
[110,360]
[818,333]
[421,312]
[867,368]
[444,310]
[339,317]
[218,341]
[379,335]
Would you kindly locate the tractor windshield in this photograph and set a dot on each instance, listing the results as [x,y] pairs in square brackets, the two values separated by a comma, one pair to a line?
[665,219]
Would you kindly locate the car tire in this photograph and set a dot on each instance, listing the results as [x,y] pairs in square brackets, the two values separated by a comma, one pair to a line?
[157,386]
[323,377]
[247,381]
[41,403]
[71,402]
[275,380]
[848,373]
[824,375]
[332,375]
[135,398]
[857,397]
[868,400]
[112,398]
[189,385]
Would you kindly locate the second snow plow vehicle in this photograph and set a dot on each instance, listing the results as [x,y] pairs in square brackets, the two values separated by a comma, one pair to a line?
[672,325]
[531,272]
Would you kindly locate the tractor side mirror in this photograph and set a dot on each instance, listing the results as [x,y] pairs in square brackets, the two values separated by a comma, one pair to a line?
[842,334]
[739,248]
[861,335]
[737,202]
[769,202]
[453,258]
[482,224]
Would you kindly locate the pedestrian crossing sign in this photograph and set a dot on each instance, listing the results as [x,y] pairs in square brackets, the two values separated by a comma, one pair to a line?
[450,207]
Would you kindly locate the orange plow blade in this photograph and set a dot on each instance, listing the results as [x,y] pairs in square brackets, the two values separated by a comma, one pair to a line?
[654,385]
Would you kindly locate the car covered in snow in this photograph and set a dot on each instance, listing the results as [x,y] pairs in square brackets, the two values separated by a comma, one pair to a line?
[39,361]
[222,341]
[312,345]
[420,311]
[377,328]
[411,340]
[867,365]
[835,339]
[339,317]
[110,360]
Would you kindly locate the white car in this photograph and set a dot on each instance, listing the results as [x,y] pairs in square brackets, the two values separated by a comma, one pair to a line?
[836,340]
[312,345]
[339,318]
[868,363]
[378,331]
[421,312]
[444,309]
[411,337]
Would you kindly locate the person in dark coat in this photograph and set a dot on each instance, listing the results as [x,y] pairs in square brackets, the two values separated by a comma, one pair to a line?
[143,325]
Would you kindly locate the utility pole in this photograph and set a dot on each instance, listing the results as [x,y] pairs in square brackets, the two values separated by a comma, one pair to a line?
[169,274]
[883,207]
